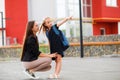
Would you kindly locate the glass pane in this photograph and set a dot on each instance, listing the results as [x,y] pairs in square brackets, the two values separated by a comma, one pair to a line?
[60,1]
[76,1]
[114,2]
[70,6]
[84,11]
[88,11]
[88,2]
[76,11]
[61,11]
[108,2]
[71,1]
[111,3]
[87,29]
[84,1]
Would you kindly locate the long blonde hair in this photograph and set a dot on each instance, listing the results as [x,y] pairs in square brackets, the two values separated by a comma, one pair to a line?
[43,27]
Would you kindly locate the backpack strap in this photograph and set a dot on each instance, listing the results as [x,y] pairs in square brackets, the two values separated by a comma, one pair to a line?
[56,30]
[47,34]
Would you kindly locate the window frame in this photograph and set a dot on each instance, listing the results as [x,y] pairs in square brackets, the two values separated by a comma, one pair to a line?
[111,3]
[85,5]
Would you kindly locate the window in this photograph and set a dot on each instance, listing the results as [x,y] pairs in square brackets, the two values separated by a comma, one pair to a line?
[87,8]
[112,3]
[68,8]
[73,8]
[102,31]
[61,8]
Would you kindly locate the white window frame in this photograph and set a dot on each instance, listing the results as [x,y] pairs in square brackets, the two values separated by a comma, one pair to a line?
[86,9]
[118,27]
[111,3]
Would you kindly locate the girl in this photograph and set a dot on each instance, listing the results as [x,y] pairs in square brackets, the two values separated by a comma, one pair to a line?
[55,43]
[33,60]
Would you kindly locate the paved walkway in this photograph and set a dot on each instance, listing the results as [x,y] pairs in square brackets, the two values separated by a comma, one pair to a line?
[73,69]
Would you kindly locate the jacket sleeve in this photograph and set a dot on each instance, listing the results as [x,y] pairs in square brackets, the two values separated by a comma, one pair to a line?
[33,47]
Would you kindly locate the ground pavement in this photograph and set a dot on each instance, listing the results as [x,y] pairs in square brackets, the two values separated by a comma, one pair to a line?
[73,68]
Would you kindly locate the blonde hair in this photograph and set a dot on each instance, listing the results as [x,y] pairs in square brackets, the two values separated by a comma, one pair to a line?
[43,27]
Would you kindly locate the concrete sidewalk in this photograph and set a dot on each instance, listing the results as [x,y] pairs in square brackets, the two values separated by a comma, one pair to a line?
[73,68]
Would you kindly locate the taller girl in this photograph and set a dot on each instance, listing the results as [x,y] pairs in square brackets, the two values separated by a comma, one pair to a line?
[54,41]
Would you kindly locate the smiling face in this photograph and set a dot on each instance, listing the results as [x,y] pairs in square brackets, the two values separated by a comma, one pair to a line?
[48,22]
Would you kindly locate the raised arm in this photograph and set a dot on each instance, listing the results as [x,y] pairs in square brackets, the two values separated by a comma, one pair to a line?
[63,21]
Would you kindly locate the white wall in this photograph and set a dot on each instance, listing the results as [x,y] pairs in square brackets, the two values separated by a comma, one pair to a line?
[118,27]
[87,29]
[2,9]
[38,10]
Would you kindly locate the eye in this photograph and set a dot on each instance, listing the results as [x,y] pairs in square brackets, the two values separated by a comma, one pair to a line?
[36,25]
[49,22]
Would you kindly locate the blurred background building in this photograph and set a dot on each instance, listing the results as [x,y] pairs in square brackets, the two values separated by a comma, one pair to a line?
[100,17]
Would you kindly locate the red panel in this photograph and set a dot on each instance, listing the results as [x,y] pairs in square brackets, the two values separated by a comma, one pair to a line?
[114,28]
[100,10]
[110,28]
[112,12]
[16,10]
[105,17]
[97,8]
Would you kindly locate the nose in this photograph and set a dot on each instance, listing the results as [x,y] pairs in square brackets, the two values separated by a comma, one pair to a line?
[50,24]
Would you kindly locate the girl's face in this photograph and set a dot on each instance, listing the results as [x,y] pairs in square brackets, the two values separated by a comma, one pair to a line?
[48,22]
[35,28]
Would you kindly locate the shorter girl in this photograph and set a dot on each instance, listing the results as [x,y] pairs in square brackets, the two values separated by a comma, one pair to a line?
[32,59]
[55,42]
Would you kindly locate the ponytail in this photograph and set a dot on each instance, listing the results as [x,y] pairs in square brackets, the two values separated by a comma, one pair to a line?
[43,27]
[40,28]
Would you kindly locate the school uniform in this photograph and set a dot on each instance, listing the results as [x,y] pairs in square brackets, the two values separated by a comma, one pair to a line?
[55,42]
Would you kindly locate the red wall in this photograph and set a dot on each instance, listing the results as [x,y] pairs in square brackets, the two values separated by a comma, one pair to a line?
[100,10]
[110,28]
[16,10]
[96,8]
[114,28]
[112,12]
[102,17]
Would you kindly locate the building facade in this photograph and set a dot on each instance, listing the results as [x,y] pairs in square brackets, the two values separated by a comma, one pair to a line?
[100,17]
[106,17]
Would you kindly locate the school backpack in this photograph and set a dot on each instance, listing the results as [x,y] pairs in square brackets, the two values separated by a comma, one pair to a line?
[65,43]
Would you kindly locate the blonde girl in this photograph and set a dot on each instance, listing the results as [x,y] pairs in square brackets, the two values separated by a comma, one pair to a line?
[55,43]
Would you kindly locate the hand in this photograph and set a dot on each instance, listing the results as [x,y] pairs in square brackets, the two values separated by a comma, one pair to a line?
[63,21]
[69,18]
[52,55]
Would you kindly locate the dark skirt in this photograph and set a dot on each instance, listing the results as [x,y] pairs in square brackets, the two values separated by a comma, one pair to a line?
[62,55]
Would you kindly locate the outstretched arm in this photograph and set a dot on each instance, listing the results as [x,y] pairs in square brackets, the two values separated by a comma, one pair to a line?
[63,21]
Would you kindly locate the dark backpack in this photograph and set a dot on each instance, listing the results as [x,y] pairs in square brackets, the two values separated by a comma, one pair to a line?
[63,39]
